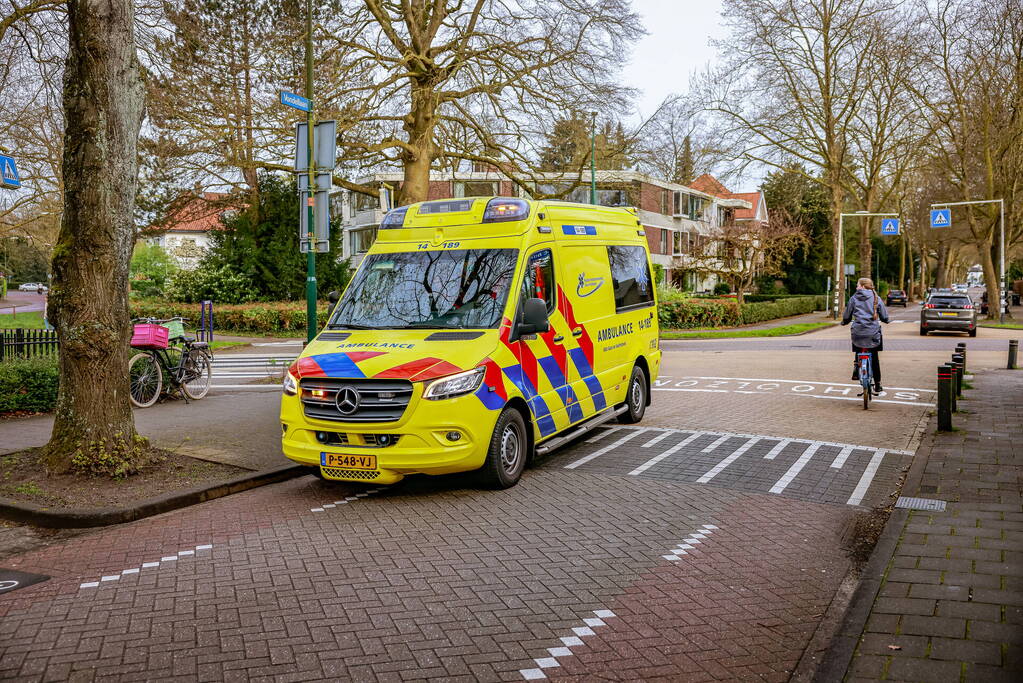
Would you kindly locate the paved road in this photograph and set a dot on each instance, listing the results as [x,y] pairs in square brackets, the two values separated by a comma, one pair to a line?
[705,543]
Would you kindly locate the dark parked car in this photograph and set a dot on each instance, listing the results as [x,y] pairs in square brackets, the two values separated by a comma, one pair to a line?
[896,296]
[950,312]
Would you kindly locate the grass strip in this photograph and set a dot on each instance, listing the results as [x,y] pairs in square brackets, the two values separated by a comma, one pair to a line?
[782,331]
[25,321]
[1002,326]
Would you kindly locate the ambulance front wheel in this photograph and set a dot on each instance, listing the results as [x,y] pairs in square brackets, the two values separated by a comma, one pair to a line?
[506,457]
[635,399]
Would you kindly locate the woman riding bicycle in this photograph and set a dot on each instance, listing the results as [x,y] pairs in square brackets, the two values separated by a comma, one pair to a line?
[864,311]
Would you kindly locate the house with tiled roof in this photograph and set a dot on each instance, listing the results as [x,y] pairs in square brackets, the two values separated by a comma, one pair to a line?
[185,231]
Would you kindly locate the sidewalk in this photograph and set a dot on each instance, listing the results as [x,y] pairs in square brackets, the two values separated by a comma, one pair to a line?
[950,604]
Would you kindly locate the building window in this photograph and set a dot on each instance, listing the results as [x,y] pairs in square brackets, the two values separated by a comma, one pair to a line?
[365,202]
[605,197]
[696,207]
[676,203]
[664,201]
[681,245]
[477,188]
[363,239]
[665,241]
[630,277]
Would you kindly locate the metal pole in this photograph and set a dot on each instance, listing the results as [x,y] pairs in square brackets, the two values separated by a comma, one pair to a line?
[1002,284]
[1013,350]
[593,158]
[310,281]
[839,275]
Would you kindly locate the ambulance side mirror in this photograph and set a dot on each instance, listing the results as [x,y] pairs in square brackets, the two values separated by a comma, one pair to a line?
[534,317]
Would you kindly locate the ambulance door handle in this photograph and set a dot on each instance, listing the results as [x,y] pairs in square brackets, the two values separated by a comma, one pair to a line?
[559,338]
[577,332]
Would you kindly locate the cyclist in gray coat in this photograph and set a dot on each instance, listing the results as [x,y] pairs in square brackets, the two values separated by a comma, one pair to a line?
[866,312]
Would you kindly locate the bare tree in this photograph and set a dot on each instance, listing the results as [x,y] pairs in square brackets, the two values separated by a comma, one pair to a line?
[103,106]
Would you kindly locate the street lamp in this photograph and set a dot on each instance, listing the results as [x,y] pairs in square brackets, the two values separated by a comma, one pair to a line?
[593,157]
[840,256]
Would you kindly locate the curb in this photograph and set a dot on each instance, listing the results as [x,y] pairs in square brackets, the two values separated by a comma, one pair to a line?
[79,518]
[778,336]
[836,661]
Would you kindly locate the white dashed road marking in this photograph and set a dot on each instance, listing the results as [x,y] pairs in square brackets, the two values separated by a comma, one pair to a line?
[726,462]
[605,449]
[671,451]
[347,500]
[146,565]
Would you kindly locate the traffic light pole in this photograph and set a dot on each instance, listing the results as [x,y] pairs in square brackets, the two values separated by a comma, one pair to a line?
[310,281]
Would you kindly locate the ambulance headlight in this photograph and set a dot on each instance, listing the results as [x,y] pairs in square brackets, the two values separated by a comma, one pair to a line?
[455,385]
[290,387]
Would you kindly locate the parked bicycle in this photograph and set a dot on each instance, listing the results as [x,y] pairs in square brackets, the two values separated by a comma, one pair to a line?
[168,359]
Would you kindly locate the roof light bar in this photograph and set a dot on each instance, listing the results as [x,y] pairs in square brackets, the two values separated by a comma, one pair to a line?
[501,209]
[395,218]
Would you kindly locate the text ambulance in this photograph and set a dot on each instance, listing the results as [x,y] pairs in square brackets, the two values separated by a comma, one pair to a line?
[477,332]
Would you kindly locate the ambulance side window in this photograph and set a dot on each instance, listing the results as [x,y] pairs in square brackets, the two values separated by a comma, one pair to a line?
[538,282]
[630,277]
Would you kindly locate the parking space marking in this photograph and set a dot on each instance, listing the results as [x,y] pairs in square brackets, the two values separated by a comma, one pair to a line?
[601,434]
[605,449]
[348,499]
[671,451]
[568,642]
[726,462]
[866,477]
[714,444]
[146,565]
[796,468]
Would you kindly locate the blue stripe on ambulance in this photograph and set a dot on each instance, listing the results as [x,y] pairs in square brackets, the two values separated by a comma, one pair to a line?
[568,397]
[519,379]
[553,372]
[579,229]
[581,364]
[490,399]
[544,421]
[338,365]
[596,392]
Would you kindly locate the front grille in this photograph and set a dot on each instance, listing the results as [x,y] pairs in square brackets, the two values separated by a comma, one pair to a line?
[370,440]
[380,400]
[338,473]
[333,336]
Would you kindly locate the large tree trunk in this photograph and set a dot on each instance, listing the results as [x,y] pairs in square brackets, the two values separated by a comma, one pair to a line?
[418,160]
[941,267]
[103,106]
[902,263]
[987,262]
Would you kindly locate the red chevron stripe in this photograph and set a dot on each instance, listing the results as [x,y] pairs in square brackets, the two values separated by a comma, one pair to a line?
[523,354]
[357,356]
[584,341]
[306,367]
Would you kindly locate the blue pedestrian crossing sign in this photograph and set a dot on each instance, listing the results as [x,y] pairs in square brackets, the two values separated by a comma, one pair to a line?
[889,226]
[9,173]
[941,218]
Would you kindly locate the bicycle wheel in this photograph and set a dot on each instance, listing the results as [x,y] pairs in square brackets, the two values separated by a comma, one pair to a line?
[198,375]
[865,383]
[146,380]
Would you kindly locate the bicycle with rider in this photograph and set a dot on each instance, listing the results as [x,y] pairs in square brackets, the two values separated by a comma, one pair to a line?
[866,312]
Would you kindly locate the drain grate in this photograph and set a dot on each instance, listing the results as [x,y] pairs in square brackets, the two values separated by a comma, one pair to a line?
[929,504]
[11,580]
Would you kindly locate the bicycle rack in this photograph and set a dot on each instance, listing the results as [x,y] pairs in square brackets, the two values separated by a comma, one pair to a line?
[205,330]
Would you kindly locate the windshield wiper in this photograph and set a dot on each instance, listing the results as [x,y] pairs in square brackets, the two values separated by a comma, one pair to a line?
[429,326]
[350,326]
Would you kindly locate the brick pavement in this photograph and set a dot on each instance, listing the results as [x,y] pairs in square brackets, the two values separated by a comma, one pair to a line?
[432,580]
[950,606]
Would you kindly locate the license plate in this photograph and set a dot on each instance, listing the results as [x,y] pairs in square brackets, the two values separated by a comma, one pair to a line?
[945,314]
[351,462]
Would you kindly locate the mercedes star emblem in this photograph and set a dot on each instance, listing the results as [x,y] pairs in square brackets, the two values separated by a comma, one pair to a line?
[347,400]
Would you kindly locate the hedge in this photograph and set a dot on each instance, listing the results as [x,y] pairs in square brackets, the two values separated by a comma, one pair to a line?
[289,316]
[280,316]
[28,385]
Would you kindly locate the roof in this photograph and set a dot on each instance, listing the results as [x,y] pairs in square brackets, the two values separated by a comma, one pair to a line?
[751,213]
[196,213]
[711,185]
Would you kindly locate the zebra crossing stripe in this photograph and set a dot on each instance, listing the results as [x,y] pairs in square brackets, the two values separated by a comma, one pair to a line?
[796,468]
[715,443]
[602,451]
[842,456]
[778,448]
[726,462]
[671,451]
[866,478]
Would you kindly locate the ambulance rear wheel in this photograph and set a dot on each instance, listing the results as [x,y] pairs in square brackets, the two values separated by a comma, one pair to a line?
[506,457]
[635,399]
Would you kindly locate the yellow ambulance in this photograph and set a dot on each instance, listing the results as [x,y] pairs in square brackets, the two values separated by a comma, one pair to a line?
[477,332]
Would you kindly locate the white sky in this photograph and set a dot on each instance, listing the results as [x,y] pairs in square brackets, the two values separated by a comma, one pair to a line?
[677,44]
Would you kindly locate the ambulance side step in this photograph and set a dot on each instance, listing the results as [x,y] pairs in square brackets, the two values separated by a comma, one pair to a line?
[594,422]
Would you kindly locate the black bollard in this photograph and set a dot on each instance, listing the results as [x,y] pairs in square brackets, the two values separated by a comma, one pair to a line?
[1013,350]
[944,398]
[961,349]
[952,386]
[957,360]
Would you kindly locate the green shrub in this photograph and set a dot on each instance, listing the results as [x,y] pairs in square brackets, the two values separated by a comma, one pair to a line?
[693,313]
[262,318]
[216,283]
[28,384]
[722,288]
[151,268]
[756,312]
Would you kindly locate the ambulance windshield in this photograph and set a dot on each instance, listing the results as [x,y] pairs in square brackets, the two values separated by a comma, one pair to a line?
[452,289]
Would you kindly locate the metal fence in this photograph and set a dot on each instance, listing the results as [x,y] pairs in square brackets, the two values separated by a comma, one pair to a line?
[27,343]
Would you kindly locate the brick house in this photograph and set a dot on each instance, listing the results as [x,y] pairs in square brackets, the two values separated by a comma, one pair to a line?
[678,220]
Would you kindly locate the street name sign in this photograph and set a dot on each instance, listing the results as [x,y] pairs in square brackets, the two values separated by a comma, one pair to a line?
[890,226]
[941,218]
[296,101]
[9,177]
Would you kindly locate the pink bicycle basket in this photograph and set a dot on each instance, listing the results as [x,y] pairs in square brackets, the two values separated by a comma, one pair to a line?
[149,336]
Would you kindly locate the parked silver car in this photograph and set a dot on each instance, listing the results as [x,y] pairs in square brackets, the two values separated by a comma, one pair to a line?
[949,312]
